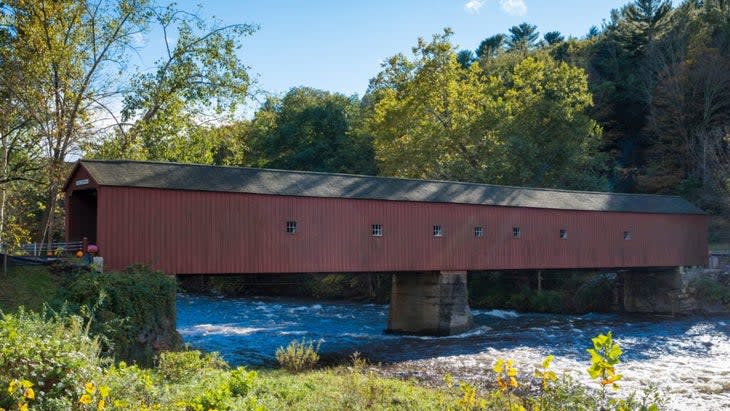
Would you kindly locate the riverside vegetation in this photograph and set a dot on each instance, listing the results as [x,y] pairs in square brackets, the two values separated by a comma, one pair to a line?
[50,362]
[72,358]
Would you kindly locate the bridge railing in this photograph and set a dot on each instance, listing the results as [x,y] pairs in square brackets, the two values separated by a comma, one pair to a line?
[52,248]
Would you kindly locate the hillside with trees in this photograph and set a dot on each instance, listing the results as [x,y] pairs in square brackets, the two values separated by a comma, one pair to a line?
[639,104]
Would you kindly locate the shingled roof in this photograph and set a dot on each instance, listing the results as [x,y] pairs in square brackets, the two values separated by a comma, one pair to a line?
[176,176]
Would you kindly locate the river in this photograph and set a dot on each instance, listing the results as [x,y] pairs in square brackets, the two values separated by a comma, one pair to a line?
[687,358]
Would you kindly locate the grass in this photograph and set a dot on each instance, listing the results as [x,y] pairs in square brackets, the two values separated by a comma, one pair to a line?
[343,389]
[29,286]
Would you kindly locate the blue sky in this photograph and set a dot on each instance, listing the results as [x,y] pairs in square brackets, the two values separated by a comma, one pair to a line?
[339,45]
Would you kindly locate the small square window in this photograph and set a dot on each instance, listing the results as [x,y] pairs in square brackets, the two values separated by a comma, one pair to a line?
[627,235]
[291,227]
[563,234]
[516,232]
[438,231]
[478,232]
[377,230]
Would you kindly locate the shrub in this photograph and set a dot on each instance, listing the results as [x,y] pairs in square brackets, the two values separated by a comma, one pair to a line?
[595,294]
[54,354]
[715,290]
[179,366]
[546,301]
[298,356]
[132,312]
[242,381]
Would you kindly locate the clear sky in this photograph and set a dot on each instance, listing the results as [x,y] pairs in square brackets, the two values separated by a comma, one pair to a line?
[339,45]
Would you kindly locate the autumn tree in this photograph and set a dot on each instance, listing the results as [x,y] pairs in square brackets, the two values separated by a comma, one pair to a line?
[73,58]
[434,118]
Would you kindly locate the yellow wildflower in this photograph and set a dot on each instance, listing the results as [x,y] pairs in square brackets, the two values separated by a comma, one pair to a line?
[85,399]
[104,391]
[29,394]
[90,387]
[101,405]
[12,386]
[22,407]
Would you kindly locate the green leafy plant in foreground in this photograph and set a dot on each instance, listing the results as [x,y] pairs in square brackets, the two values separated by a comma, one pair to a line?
[605,354]
[298,356]
[546,377]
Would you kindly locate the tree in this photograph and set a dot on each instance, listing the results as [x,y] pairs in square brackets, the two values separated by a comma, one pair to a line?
[466,58]
[310,129]
[593,32]
[199,78]
[425,113]
[523,38]
[432,118]
[640,23]
[491,46]
[62,48]
[72,56]
[554,37]
[551,140]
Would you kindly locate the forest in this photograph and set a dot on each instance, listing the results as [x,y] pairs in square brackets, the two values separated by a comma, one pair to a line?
[639,104]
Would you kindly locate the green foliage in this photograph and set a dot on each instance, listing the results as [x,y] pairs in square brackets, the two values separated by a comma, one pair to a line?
[55,354]
[298,356]
[313,130]
[554,37]
[547,301]
[605,354]
[50,363]
[595,294]
[713,289]
[521,123]
[179,366]
[241,382]
[28,286]
[133,312]
[490,47]
[523,38]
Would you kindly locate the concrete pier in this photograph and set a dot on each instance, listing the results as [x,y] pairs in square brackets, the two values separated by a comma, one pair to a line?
[429,303]
[652,291]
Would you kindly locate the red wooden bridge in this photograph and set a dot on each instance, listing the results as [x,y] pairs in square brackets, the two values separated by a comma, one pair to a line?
[195,219]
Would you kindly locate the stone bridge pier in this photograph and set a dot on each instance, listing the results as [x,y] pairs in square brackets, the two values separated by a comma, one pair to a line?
[661,290]
[429,303]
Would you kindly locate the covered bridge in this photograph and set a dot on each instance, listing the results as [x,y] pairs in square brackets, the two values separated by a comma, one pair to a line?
[196,219]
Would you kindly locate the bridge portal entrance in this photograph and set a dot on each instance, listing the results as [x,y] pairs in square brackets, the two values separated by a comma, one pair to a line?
[82,219]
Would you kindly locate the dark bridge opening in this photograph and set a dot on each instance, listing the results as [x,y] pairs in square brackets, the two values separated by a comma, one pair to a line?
[82,218]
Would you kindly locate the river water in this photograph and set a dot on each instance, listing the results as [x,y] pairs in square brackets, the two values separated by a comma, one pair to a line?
[687,358]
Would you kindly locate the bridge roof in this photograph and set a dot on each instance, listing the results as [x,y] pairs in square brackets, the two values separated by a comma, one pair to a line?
[175,176]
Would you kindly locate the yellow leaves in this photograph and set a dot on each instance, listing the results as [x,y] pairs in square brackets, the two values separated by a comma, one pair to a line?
[12,386]
[104,391]
[506,374]
[544,374]
[22,391]
[547,361]
[98,395]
